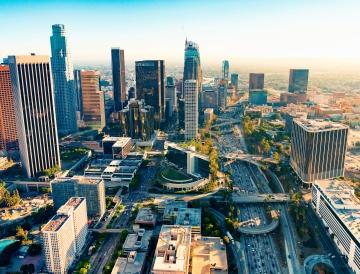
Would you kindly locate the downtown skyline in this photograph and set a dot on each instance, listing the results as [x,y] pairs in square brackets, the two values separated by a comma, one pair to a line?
[258,35]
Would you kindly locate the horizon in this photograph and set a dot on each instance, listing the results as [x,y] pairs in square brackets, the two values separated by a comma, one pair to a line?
[270,30]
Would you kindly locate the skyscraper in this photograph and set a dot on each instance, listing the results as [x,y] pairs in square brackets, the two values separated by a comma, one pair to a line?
[78,91]
[192,66]
[64,89]
[64,235]
[8,133]
[298,80]
[225,69]
[93,101]
[150,86]
[170,91]
[256,81]
[137,120]
[118,76]
[34,112]
[222,93]
[257,97]
[191,109]
[235,80]
[318,149]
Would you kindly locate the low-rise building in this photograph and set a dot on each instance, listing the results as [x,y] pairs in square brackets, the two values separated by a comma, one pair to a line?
[138,241]
[172,251]
[208,255]
[208,115]
[339,209]
[145,217]
[133,264]
[116,147]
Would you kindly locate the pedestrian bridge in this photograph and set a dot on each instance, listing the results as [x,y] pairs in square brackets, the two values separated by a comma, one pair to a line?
[261,229]
[107,230]
[259,198]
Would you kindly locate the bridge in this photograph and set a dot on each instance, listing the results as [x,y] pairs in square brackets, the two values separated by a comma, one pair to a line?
[253,159]
[261,229]
[27,184]
[260,198]
[226,123]
[107,230]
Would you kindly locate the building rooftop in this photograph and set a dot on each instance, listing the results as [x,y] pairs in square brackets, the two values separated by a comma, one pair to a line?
[318,125]
[173,249]
[172,207]
[188,216]
[145,216]
[130,265]
[137,241]
[208,256]
[74,202]
[209,110]
[122,142]
[111,139]
[342,198]
[55,223]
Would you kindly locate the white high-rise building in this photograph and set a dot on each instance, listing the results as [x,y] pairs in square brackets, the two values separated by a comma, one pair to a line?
[35,112]
[76,206]
[191,109]
[64,235]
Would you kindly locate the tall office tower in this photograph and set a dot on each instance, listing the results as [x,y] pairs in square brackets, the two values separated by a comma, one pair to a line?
[118,77]
[64,235]
[137,120]
[235,80]
[92,189]
[76,206]
[63,76]
[78,92]
[191,109]
[150,86]
[256,81]
[222,93]
[93,99]
[34,112]
[225,69]
[192,66]
[298,80]
[170,91]
[318,149]
[257,97]
[8,133]
[181,113]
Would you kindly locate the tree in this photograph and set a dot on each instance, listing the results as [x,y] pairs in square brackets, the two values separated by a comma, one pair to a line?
[265,145]
[226,239]
[21,234]
[50,172]
[276,156]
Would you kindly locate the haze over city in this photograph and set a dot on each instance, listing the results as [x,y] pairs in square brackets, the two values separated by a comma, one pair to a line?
[263,35]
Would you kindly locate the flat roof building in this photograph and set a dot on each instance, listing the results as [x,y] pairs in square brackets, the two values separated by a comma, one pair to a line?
[63,237]
[318,149]
[339,209]
[93,189]
[133,264]
[138,241]
[172,252]
[145,217]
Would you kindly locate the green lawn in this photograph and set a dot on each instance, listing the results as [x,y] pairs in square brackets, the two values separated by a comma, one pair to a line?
[173,174]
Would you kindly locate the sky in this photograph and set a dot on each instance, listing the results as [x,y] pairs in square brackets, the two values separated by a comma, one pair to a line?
[252,33]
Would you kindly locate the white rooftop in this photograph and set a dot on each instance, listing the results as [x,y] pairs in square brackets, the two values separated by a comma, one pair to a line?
[344,202]
[318,125]
[173,249]
[122,142]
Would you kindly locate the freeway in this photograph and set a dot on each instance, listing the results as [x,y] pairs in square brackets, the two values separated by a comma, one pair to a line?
[261,229]
[221,222]
[259,198]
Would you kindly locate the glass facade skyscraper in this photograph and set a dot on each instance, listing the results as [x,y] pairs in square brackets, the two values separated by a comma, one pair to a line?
[298,80]
[118,76]
[225,69]
[150,86]
[192,66]
[235,80]
[256,81]
[64,89]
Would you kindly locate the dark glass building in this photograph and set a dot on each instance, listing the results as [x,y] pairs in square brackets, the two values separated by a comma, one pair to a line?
[118,75]
[235,80]
[258,97]
[256,81]
[225,69]
[150,86]
[192,66]
[137,120]
[298,80]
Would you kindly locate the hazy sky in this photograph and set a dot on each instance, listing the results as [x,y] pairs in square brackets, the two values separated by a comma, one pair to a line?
[253,32]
